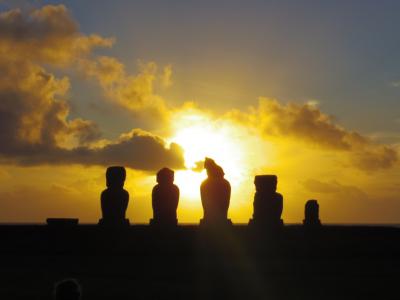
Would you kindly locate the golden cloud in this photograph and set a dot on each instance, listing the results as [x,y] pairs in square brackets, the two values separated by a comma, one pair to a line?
[307,123]
[48,35]
[334,187]
[133,92]
[34,112]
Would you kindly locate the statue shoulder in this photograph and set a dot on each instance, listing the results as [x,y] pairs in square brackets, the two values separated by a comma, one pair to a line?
[227,182]
[125,193]
[204,183]
[104,193]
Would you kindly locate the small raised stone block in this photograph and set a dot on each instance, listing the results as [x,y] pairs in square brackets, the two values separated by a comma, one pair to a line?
[62,222]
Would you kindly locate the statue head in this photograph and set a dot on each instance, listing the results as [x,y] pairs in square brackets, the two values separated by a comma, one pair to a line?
[115,176]
[312,208]
[213,170]
[165,176]
[266,183]
[67,289]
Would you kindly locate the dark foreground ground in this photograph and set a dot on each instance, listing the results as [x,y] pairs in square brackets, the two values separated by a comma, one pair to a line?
[139,262]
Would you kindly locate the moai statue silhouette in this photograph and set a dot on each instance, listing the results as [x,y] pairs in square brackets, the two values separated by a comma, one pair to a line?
[114,199]
[268,204]
[215,194]
[165,198]
[311,213]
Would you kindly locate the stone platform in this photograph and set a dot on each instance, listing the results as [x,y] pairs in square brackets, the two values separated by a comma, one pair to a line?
[188,262]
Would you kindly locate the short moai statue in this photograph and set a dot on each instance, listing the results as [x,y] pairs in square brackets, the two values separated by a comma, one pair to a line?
[215,194]
[268,204]
[165,198]
[114,199]
[311,214]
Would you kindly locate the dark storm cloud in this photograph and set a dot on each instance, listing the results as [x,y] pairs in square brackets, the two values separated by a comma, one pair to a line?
[137,150]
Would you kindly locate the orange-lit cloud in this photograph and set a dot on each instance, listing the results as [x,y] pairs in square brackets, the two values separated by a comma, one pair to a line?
[34,111]
[133,92]
[47,35]
[306,123]
[334,187]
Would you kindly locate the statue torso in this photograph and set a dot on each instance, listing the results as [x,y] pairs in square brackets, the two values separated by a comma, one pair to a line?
[268,206]
[114,203]
[165,200]
[215,197]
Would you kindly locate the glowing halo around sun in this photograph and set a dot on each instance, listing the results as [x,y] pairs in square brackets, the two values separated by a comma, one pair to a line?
[201,137]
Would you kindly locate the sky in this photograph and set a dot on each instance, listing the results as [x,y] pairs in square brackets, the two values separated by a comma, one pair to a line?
[306,90]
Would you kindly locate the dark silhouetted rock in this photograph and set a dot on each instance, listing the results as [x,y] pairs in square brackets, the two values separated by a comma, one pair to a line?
[165,198]
[215,194]
[268,204]
[67,289]
[114,199]
[311,213]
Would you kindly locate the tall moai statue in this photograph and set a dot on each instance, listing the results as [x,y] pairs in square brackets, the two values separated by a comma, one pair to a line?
[215,194]
[165,198]
[114,199]
[311,213]
[268,204]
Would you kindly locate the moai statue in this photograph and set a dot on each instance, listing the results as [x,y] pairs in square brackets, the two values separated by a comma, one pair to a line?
[268,204]
[114,199]
[165,198]
[215,194]
[311,213]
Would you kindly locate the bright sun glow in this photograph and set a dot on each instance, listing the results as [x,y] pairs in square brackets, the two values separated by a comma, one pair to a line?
[201,137]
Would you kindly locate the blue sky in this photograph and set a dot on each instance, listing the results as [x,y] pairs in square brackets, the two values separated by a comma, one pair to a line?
[344,53]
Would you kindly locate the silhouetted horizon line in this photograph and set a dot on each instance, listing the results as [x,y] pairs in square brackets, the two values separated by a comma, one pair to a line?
[380,224]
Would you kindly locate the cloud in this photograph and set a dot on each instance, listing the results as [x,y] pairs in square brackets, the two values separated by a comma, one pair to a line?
[34,111]
[345,202]
[313,103]
[198,166]
[133,92]
[166,76]
[35,128]
[137,150]
[47,35]
[309,124]
[395,84]
[334,187]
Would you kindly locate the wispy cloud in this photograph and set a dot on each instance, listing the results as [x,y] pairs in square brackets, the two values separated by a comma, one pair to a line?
[395,84]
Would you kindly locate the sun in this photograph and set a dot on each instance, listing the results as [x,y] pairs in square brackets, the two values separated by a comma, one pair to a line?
[201,137]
